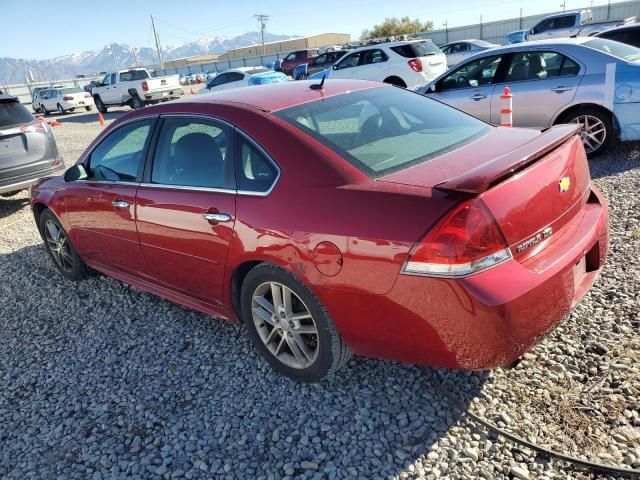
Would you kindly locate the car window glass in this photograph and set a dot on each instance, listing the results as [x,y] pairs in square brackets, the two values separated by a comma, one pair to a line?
[113,79]
[291,56]
[373,56]
[543,26]
[319,60]
[564,22]
[106,80]
[53,94]
[193,153]
[235,76]
[473,74]
[350,61]
[120,155]
[254,172]
[14,113]
[301,55]
[539,66]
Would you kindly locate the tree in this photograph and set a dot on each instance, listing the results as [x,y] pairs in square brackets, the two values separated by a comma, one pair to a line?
[396,26]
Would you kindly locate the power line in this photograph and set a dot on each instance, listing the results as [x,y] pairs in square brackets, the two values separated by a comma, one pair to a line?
[263,25]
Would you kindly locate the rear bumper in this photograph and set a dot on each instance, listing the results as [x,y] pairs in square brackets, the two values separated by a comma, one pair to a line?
[20,182]
[482,321]
[164,95]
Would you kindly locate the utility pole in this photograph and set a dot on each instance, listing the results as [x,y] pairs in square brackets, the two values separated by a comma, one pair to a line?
[113,55]
[564,5]
[37,70]
[263,25]
[446,31]
[520,27]
[155,34]
[135,57]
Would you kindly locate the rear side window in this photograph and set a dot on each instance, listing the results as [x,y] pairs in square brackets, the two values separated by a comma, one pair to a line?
[193,153]
[133,75]
[382,130]
[617,49]
[418,49]
[254,171]
[540,66]
[119,156]
[13,113]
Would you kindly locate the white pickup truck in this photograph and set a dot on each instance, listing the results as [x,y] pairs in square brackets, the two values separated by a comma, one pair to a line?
[566,24]
[134,87]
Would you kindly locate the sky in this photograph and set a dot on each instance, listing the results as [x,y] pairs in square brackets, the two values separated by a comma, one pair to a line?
[74,26]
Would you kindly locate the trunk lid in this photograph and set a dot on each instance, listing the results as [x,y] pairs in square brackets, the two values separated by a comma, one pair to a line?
[536,186]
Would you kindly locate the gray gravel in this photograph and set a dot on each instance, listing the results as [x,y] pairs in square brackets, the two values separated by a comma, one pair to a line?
[99,380]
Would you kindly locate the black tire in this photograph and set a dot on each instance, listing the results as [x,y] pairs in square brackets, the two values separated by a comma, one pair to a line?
[75,269]
[136,102]
[332,352]
[102,108]
[60,109]
[44,110]
[10,194]
[89,108]
[595,113]
[396,81]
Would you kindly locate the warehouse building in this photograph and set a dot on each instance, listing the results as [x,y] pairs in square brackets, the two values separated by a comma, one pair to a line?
[282,46]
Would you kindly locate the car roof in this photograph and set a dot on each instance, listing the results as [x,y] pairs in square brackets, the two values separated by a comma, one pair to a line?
[539,43]
[391,44]
[8,98]
[631,26]
[244,69]
[271,98]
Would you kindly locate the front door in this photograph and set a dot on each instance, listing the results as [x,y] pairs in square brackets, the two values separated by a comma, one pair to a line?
[186,207]
[347,67]
[102,207]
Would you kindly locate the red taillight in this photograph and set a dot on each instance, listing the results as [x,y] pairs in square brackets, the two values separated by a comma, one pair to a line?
[35,126]
[87,95]
[466,241]
[145,86]
[67,98]
[416,65]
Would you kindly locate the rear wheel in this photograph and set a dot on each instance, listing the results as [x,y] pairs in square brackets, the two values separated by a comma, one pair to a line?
[60,109]
[57,243]
[289,326]
[136,102]
[89,108]
[597,129]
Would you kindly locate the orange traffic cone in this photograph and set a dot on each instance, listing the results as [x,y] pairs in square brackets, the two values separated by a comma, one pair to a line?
[100,119]
[55,123]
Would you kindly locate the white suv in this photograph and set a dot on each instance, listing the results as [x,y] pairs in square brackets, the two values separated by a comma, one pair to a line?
[406,64]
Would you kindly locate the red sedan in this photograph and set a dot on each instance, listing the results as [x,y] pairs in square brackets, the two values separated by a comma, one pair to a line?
[358,217]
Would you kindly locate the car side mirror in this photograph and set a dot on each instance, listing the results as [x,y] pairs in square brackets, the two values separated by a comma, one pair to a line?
[77,172]
[432,88]
[335,67]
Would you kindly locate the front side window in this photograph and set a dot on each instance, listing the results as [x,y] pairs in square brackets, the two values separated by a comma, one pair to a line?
[540,66]
[382,130]
[319,60]
[120,155]
[291,56]
[106,80]
[254,171]
[350,61]
[543,26]
[193,153]
[473,74]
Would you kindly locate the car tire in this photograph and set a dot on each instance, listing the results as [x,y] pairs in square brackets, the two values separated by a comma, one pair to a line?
[102,108]
[60,249]
[136,102]
[60,109]
[397,81]
[302,344]
[10,194]
[44,110]
[88,109]
[597,129]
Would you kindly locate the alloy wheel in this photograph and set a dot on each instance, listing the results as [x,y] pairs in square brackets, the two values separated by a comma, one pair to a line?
[58,245]
[593,133]
[285,325]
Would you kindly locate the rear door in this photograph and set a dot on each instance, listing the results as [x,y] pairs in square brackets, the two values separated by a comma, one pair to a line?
[186,207]
[471,86]
[542,84]
[373,65]
[102,207]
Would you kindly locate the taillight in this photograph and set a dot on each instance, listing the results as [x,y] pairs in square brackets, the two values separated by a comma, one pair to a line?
[466,241]
[67,98]
[36,126]
[145,86]
[87,95]
[415,64]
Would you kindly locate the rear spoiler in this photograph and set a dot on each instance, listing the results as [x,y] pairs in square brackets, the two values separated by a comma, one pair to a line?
[482,177]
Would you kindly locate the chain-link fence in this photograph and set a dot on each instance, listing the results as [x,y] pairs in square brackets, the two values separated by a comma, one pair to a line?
[24,91]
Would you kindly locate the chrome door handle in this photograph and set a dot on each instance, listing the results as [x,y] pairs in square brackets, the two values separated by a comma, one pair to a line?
[561,89]
[216,217]
[478,96]
[120,203]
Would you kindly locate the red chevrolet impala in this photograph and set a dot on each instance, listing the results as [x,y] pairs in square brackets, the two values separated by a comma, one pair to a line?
[358,217]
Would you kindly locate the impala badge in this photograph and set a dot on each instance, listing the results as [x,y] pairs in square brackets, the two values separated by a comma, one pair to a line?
[564,184]
[536,239]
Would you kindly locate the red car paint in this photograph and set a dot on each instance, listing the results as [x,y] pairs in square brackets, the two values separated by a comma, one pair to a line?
[296,58]
[347,236]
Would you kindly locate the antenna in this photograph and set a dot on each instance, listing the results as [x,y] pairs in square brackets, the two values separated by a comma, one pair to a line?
[318,86]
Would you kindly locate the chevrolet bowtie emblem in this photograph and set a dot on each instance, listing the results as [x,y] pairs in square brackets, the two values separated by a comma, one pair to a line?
[564,184]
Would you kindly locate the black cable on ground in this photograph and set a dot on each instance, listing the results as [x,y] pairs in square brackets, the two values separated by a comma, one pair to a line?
[586,464]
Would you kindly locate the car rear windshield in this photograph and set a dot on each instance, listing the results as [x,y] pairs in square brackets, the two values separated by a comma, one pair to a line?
[617,49]
[13,113]
[66,91]
[418,49]
[133,75]
[385,129]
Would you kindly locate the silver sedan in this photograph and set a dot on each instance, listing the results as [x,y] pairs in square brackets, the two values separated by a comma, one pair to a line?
[581,80]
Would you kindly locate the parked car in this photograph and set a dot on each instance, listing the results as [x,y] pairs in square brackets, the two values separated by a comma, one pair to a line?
[552,81]
[405,64]
[565,25]
[63,100]
[319,75]
[241,77]
[296,58]
[629,34]
[88,87]
[34,93]
[461,50]
[135,87]
[490,236]
[28,150]
[321,62]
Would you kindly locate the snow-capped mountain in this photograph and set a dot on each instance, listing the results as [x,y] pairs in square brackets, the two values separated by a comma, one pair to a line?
[14,70]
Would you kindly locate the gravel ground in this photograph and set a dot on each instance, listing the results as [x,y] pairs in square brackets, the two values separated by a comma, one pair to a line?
[99,380]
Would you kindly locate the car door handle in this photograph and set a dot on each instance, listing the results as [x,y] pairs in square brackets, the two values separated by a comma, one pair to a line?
[561,89]
[216,217]
[120,203]
[478,96]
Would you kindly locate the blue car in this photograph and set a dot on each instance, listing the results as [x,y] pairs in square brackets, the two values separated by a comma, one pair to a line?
[320,63]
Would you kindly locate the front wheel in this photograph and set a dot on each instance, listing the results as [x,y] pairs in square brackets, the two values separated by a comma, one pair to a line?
[100,104]
[596,132]
[57,243]
[289,326]
[89,108]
